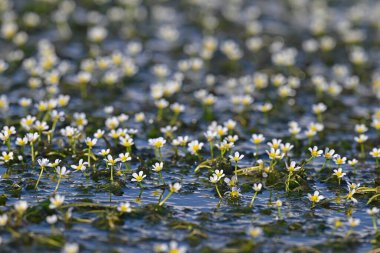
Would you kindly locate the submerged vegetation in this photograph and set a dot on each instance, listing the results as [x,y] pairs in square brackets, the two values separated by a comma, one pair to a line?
[189,126]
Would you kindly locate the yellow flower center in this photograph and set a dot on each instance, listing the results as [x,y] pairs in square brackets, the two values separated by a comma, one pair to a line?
[314,198]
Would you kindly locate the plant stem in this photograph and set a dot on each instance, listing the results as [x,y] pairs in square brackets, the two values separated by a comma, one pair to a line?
[162,179]
[59,181]
[253,199]
[89,157]
[160,154]
[166,198]
[217,190]
[362,149]
[279,213]
[374,223]
[39,178]
[32,152]
[212,150]
[111,173]
[288,182]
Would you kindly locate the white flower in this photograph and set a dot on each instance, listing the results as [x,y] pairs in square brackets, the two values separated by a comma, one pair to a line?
[32,137]
[210,135]
[329,153]
[214,178]
[62,171]
[292,167]
[230,181]
[286,147]
[274,154]
[99,134]
[339,160]
[219,173]
[361,139]
[257,187]
[52,219]
[352,222]
[97,34]
[257,138]
[275,143]
[124,207]
[104,152]
[255,231]
[319,108]
[81,166]
[175,187]
[157,142]
[91,142]
[339,173]
[352,186]
[126,141]
[6,157]
[375,153]
[43,162]
[180,141]
[56,201]
[3,219]
[315,198]
[361,128]
[194,147]
[70,248]
[230,124]
[237,157]
[21,206]
[124,157]
[21,141]
[111,161]
[173,247]
[353,162]
[157,167]
[373,211]
[138,177]
[315,152]
[55,163]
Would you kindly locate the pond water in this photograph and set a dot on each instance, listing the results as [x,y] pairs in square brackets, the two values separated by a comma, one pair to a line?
[99,82]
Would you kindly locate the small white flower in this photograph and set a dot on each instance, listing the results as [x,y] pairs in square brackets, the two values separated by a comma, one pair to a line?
[292,167]
[124,157]
[175,187]
[21,206]
[138,177]
[373,211]
[352,222]
[157,142]
[361,139]
[157,167]
[339,173]
[236,157]
[52,219]
[56,201]
[62,171]
[214,178]
[315,152]
[81,166]
[124,207]
[315,198]
[70,248]
[257,187]
[194,147]
[3,219]
[255,231]
[375,153]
